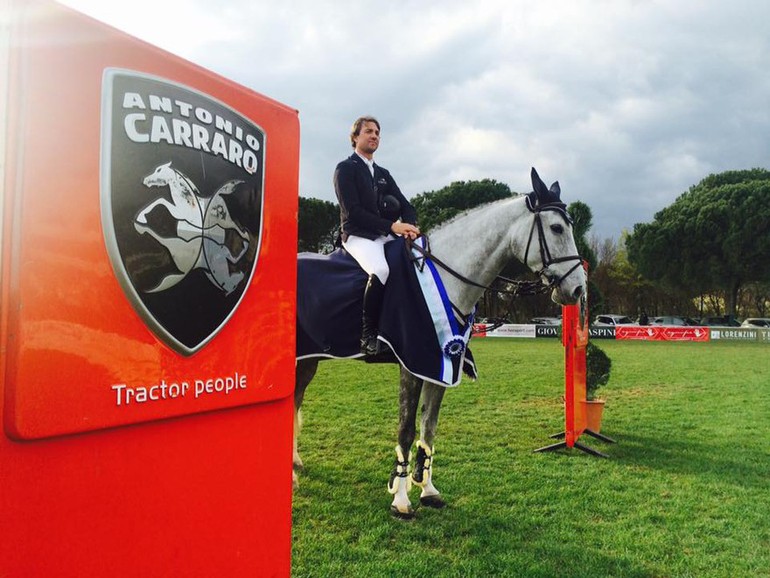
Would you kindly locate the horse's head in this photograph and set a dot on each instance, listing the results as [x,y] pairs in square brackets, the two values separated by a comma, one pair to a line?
[160,176]
[551,250]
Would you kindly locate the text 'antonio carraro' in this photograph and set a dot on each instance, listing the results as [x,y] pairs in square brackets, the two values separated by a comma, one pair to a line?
[179,123]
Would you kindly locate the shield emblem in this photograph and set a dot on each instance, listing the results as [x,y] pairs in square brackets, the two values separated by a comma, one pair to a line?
[182,178]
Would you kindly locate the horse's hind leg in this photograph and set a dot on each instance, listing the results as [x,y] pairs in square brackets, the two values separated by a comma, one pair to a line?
[306,369]
[423,468]
[400,483]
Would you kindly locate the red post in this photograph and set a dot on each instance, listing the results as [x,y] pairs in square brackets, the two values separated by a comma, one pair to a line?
[575,334]
[575,340]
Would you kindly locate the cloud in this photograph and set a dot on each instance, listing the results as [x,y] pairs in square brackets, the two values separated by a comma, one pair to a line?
[627,103]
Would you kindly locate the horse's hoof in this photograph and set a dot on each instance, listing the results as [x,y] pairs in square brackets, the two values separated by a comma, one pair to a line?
[433,501]
[396,513]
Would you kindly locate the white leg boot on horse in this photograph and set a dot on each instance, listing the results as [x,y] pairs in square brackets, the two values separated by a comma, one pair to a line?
[400,482]
[422,477]
[399,485]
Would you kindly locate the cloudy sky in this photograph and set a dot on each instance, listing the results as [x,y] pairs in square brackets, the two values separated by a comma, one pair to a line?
[627,103]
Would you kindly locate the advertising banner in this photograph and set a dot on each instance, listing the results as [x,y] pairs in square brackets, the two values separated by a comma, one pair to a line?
[548,331]
[739,334]
[512,330]
[602,332]
[661,333]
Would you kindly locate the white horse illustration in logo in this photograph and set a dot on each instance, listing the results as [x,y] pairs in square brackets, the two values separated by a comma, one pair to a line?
[201,227]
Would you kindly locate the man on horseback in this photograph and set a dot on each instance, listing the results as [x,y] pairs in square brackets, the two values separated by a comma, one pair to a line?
[373,211]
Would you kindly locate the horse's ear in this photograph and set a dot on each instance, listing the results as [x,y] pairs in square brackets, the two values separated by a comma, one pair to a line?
[556,189]
[538,185]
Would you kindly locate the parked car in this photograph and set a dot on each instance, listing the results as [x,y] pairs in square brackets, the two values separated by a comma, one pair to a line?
[546,320]
[756,322]
[672,320]
[611,320]
[719,321]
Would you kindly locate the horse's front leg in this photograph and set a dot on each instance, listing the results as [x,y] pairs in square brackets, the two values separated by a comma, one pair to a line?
[141,218]
[423,467]
[400,482]
[306,369]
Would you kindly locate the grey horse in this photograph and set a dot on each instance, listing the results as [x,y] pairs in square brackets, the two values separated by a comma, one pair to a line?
[472,249]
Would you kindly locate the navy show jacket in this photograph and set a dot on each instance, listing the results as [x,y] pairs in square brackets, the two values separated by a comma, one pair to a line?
[359,195]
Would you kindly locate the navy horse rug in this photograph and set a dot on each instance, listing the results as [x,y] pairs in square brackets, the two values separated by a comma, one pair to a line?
[418,324]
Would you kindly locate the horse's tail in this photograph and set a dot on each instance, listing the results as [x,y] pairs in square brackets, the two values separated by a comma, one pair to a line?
[167,281]
[228,187]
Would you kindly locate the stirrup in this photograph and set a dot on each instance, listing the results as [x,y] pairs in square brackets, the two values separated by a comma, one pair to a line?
[370,345]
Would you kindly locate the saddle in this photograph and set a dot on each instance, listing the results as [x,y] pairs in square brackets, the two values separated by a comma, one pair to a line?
[418,327]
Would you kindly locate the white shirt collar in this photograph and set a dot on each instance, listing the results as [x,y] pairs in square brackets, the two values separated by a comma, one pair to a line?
[369,163]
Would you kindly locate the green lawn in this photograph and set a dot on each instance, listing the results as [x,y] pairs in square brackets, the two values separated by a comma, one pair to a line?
[685,493]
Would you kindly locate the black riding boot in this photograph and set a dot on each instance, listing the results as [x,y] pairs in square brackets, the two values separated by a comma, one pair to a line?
[373,295]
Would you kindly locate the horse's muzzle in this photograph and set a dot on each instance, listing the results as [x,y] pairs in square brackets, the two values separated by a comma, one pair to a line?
[577,293]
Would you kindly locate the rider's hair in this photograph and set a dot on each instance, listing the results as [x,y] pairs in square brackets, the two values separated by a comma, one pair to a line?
[358,124]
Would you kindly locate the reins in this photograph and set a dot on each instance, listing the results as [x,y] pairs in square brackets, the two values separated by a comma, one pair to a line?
[520,288]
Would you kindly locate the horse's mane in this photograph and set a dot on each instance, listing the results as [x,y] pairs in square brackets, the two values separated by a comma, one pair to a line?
[475,209]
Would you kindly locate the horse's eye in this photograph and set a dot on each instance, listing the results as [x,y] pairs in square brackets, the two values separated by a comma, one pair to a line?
[558,229]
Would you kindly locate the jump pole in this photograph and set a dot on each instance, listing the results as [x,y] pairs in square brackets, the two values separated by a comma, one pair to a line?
[575,334]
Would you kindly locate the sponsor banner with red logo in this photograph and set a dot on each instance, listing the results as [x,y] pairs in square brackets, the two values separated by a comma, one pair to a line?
[661,333]
[629,332]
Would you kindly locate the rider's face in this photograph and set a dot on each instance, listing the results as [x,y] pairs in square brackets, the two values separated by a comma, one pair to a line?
[368,139]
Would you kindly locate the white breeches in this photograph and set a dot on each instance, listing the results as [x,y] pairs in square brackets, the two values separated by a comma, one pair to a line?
[370,255]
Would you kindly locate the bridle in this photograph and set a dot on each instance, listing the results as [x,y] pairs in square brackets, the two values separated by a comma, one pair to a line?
[545,253]
[519,288]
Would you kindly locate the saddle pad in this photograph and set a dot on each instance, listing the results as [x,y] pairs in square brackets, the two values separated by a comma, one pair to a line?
[417,322]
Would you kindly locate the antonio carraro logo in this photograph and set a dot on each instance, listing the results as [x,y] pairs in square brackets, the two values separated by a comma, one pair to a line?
[182,180]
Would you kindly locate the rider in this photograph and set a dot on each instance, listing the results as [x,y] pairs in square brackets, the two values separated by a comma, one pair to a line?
[373,211]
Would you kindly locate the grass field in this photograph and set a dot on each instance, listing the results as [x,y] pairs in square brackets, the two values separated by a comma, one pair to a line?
[685,493]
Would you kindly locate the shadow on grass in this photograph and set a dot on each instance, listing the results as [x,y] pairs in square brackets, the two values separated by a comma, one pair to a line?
[731,461]
[724,460]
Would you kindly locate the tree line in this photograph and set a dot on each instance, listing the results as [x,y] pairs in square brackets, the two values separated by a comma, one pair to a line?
[708,253]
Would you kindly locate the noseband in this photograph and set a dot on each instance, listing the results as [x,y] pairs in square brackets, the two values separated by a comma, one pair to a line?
[545,253]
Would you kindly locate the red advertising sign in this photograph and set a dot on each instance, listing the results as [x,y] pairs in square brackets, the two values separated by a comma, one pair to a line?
[147,263]
[147,280]
[661,333]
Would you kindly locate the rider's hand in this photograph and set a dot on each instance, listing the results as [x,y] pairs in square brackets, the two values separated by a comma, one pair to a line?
[405,229]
